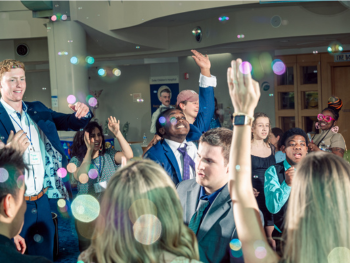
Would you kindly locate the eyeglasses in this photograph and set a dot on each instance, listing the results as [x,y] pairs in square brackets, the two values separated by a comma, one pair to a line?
[325,118]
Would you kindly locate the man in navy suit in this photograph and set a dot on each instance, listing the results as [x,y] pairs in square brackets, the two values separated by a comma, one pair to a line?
[174,153]
[34,126]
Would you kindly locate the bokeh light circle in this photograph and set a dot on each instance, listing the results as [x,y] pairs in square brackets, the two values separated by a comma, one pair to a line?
[74,60]
[54,18]
[147,229]
[116,72]
[38,238]
[20,181]
[71,99]
[61,203]
[34,211]
[102,72]
[335,48]
[339,254]
[71,168]
[245,67]
[162,120]
[4,175]
[83,178]
[260,252]
[278,67]
[173,121]
[64,17]
[61,172]
[93,173]
[85,208]
[90,60]
[238,167]
[235,244]
[88,97]
[93,102]
[141,205]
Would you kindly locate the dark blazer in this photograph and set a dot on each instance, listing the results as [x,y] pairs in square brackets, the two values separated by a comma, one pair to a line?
[49,122]
[205,113]
[9,253]
[218,225]
[162,154]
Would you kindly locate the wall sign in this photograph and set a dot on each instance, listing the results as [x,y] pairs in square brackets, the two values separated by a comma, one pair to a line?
[342,57]
[157,84]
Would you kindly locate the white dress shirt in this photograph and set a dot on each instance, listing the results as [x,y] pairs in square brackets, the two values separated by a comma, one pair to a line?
[191,151]
[34,177]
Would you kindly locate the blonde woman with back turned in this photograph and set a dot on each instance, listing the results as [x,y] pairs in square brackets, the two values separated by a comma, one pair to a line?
[318,215]
[141,220]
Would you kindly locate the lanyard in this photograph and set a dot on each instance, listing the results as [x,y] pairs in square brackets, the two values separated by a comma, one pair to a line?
[100,166]
[30,134]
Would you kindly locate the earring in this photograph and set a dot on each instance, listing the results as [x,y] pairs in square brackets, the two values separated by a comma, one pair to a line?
[317,126]
[101,148]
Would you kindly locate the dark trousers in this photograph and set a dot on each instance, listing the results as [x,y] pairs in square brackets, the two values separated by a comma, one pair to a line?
[38,229]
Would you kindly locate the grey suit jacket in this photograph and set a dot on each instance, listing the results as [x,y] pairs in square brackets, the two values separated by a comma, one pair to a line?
[218,226]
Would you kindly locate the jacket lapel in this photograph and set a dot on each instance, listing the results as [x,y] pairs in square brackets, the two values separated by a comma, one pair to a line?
[6,123]
[192,201]
[221,204]
[169,153]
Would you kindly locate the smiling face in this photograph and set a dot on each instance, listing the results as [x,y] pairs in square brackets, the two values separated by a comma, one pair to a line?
[13,85]
[165,98]
[191,108]
[176,127]
[211,171]
[327,125]
[295,149]
[96,134]
[261,128]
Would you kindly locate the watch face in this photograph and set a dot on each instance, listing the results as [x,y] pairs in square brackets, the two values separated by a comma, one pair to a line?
[239,120]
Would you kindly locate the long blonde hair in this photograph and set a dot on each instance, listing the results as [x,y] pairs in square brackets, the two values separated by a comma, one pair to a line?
[140,218]
[318,214]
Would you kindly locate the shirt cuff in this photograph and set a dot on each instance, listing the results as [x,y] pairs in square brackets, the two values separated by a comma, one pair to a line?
[88,115]
[205,82]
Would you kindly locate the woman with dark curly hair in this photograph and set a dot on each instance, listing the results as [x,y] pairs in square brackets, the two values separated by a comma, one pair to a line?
[93,165]
[329,138]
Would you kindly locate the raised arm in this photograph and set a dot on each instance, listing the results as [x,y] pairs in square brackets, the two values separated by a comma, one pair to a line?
[114,127]
[245,94]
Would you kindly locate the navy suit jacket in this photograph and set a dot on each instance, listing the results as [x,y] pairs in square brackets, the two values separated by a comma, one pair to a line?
[205,113]
[48,121]
[162,154]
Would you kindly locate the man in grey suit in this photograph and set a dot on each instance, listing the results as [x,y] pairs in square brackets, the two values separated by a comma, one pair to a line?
[206,200]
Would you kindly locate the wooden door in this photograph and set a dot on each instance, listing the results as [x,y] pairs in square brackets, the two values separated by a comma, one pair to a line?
[341,89]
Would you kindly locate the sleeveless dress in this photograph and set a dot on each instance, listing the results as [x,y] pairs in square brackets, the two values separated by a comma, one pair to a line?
[259,166]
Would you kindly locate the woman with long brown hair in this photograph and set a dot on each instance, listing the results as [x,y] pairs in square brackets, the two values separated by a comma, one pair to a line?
[318,213]
[141,220]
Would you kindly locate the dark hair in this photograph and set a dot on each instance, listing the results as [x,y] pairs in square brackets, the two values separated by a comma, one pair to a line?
[334,106]
[11,164]
[165,115]
[79,148]
[291,133]
[178,105]
[166,91]
[221,137]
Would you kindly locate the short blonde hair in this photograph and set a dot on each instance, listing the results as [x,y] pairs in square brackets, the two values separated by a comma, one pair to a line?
[8,64]
[318,213]
[138,189]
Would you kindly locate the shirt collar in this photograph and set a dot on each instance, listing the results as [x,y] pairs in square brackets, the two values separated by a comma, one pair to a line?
[286,164]
[211,197]
[11,110]
[175,145]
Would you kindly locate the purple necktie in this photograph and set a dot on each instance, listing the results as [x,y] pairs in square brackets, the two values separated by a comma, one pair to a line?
[187,162]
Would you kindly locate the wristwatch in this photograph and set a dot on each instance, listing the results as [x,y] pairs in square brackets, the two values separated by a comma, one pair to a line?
[240,119]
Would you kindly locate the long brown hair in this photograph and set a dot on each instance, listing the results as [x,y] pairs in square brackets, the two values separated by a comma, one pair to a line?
[139,197]
[263,115]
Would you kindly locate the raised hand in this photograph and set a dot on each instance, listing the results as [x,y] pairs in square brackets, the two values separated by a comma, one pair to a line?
[203,62]
[80,108]
[20,244]
[90,143]
[18,141]
[244,91]
[114,125]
